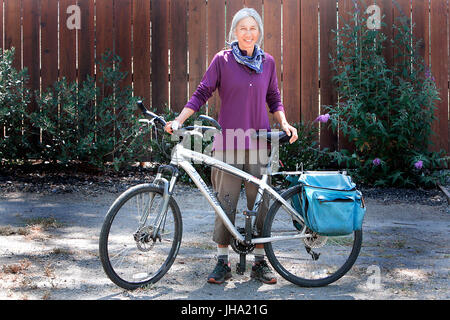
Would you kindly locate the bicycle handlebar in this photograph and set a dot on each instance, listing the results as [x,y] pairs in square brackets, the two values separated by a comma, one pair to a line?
[163,122]
[151,114]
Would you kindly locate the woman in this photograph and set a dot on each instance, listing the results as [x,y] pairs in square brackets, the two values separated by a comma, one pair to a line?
[246,79]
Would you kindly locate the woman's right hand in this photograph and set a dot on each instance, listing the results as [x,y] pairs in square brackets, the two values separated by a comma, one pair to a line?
[178,122]
[171,125]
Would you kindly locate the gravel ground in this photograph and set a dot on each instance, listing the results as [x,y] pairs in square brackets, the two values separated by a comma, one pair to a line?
[50,222]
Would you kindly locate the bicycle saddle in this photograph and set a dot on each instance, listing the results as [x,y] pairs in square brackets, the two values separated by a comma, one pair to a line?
[281,136]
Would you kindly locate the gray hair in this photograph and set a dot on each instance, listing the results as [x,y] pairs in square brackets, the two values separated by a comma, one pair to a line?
[245,13]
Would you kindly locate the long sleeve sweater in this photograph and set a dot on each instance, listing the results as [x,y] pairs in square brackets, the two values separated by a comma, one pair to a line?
[243,94]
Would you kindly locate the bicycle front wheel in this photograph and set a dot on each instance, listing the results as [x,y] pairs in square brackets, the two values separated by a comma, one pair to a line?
[136,250]
[314,261]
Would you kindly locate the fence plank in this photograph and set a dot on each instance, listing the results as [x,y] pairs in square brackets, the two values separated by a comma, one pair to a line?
[49,42]
[401,15]
[31,12]
[386,11]
[160,47]
[86,54]
[216,42]
[31,42]
[309,60]
[49,56]
[328,94]
[420,17]
[346,14]
[291,59]
[141,50]
[68,45]
[196,43]
[255,4]
[122,38]
[12,30]
[272,38]
[104,38]
[178,55]
[439,69]
[233,6]
[86,37]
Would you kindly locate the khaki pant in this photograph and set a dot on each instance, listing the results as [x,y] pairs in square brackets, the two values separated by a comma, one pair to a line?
[228,188]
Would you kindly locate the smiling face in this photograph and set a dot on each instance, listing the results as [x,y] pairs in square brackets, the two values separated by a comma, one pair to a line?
[247,34]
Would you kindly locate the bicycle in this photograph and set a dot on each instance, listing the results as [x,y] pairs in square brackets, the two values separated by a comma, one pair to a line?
[141,234]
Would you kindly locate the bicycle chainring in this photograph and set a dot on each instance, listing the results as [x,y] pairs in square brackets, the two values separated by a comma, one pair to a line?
[239,247]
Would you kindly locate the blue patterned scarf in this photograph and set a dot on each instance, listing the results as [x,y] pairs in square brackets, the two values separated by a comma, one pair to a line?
[254,62]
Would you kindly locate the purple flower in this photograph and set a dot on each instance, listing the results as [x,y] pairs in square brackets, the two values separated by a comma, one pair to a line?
[428,75]
[376,161]
[418,164]
[323,118]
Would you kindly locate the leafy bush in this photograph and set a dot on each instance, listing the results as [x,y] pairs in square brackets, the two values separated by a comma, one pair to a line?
[386,112]
[303,152]
[93,124]
[14,98]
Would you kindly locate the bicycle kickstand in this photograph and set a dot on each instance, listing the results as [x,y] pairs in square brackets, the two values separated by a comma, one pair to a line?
[240,267]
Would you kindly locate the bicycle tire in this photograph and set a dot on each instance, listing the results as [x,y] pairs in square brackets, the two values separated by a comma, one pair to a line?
[293,272]
[105,235]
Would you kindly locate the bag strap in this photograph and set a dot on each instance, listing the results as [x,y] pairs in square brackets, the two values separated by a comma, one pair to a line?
[307,185]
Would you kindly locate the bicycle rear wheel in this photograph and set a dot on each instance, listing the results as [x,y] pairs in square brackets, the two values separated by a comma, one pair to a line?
[311,262]
[132,254]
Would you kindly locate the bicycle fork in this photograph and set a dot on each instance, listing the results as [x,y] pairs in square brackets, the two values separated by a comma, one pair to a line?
[168,190]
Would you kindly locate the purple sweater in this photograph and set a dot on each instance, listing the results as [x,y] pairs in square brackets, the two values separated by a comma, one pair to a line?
[243,94]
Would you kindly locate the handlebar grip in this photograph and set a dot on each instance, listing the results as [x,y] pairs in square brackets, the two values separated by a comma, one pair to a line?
[150,114]
[141,106]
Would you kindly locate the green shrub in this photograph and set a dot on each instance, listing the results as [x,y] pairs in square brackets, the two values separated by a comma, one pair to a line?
[386,112]
[303,152]
[14,98]
[93,124]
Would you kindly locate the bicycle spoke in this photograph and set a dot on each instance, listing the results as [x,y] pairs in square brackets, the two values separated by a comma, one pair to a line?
[136,251]
[311,261]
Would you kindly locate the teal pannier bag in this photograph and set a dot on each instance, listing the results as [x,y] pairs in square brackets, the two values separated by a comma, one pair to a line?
[330,203]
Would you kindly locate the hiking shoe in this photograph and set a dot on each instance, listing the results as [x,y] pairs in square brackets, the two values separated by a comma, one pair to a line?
[261,271]
[221,272]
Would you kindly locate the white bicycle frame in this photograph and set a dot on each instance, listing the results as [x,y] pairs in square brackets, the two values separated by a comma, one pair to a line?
[182,157]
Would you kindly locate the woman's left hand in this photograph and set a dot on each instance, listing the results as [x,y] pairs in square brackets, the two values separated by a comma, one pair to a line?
[290,131]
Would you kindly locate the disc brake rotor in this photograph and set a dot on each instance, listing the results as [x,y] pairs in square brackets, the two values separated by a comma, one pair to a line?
[143,238]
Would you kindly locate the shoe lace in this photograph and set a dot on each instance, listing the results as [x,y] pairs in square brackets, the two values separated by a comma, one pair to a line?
[263,266]
[221,266]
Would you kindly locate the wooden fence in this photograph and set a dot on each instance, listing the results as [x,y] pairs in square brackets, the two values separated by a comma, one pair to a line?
[166,45]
